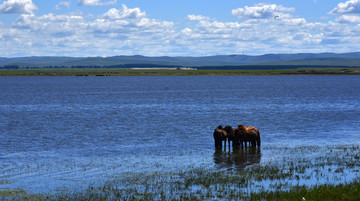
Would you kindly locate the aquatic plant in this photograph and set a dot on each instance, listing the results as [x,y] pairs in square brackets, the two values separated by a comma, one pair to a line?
[333,175]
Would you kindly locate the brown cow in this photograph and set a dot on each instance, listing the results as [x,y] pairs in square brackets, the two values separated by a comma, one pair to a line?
[220,135]
[231,136]
[248,134]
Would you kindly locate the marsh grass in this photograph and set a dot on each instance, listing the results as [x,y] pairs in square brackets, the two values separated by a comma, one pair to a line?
[323,192]
[19,194]
[301,173]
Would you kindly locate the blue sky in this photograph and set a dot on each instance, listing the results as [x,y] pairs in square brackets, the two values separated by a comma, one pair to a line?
[177,28]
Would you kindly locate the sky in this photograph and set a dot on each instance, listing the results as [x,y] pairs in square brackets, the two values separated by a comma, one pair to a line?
[81,28]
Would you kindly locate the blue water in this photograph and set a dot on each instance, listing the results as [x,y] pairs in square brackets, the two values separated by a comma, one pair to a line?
[58,132]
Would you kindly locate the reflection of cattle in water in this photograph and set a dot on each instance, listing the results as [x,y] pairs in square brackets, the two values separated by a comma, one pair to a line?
[238,159]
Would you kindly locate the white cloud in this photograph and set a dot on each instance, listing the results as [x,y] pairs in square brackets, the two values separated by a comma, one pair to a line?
[348,19]
[119,31]
[294,22]
[260,11]
[130,31]
[65,4]
[18,6]
[267,35]
[124,13]
[197,18]
[218,28]
[96,3]
[352,6]
[130,23]
[50,25]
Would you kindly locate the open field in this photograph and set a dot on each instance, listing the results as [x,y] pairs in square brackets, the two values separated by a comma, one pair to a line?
[158,72]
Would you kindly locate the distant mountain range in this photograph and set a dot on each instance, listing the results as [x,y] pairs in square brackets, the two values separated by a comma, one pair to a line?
[205,62]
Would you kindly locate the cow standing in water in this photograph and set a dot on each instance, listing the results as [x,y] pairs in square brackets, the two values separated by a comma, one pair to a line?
[248,134]
[232,136]
[220,135]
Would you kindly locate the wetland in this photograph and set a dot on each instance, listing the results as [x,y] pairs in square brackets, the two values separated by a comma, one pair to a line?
[150,137]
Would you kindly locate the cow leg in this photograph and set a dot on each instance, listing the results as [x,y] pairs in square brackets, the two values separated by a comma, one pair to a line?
[258,142]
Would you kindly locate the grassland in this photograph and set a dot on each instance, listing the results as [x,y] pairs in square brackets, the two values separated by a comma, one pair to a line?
[130,72]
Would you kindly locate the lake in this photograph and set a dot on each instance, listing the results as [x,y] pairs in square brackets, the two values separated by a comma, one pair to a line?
[66,133]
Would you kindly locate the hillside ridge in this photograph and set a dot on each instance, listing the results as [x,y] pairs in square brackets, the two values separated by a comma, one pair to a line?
[351,59]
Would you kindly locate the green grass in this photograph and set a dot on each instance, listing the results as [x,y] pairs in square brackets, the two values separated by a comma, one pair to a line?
[180,191]
[323,192]
[129,72]
[18,194]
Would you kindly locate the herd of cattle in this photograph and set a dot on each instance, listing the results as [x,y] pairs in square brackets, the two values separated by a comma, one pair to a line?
[239,136]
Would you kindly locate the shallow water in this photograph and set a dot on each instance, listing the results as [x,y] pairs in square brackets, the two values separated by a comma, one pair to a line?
[62,133]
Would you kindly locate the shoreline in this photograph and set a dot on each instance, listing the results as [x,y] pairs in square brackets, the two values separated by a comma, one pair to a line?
[286,178]
[167,72]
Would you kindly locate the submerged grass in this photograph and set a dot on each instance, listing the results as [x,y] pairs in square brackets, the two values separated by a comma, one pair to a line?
[344,192]
[316,173]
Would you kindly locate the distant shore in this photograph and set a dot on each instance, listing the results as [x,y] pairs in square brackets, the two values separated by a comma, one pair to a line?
[171,72]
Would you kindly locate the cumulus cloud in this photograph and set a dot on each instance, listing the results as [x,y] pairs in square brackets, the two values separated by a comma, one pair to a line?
[348,19]
[294,22]
[18,6]
[117,31]
[65,4]
[352,6]
[95,3]
[127,30]
[260,11]
[197,18]
[126,23]
[124,13]
[259,33]
[50,24]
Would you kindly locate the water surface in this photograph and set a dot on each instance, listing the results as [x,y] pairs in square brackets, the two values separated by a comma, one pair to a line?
[58,132]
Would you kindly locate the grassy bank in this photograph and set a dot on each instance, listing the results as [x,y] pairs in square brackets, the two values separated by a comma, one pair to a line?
[130,72]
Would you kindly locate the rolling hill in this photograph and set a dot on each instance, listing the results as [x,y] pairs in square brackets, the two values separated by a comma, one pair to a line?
[228,61]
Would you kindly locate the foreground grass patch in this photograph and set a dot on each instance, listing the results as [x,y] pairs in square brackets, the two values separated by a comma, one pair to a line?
[344,192]
[323,192]
[18,194]
[301,173]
